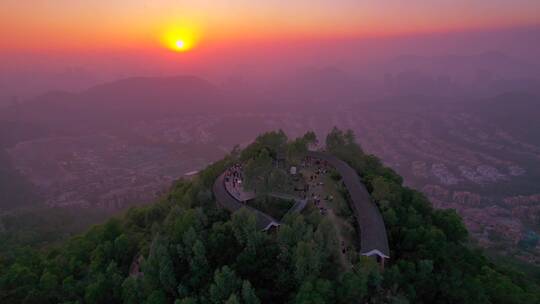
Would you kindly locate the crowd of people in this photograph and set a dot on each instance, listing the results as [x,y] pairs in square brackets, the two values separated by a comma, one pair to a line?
[314,182]
[234,179]
[321,168]
[312,189]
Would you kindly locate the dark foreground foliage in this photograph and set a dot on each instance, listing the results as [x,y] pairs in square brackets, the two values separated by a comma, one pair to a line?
[185,249]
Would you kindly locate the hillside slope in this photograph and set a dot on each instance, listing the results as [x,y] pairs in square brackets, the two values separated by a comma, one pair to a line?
[185,249]
[16,191]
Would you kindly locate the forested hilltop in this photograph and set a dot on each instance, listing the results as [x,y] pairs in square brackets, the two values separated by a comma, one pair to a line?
[186,249]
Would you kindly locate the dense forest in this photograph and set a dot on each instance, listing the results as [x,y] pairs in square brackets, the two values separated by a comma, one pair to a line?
[43,227]
[186,249]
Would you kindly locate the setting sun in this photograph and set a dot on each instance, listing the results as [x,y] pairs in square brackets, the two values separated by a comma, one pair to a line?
[180,39]
[180,44]
[259,151]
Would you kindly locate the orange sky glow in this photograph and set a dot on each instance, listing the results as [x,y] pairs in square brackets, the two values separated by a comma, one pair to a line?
[65,24]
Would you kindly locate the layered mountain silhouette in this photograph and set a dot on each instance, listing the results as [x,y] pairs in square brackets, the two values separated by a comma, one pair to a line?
[127,99]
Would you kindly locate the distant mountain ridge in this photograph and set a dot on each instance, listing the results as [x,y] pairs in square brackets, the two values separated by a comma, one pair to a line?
[138,91]
[126,99]
[488,64]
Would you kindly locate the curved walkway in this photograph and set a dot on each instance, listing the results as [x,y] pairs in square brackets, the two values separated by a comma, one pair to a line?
[373,238]
[225,199]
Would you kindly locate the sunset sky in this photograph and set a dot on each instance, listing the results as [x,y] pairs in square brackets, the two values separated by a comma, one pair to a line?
[73,44]
[100,24]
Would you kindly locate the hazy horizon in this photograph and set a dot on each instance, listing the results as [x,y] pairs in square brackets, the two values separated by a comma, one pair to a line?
[61,45]
[108,107]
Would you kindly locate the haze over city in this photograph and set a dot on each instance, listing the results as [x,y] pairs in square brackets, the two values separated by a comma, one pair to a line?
[108,108]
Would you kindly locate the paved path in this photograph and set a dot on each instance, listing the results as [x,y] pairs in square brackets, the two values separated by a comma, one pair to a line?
[239,192]
[225,199]
[373,238]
